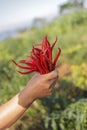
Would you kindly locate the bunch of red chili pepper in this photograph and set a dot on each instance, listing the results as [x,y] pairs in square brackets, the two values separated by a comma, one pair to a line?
[40,58]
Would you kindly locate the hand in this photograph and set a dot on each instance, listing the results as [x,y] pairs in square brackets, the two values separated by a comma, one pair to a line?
[40,86]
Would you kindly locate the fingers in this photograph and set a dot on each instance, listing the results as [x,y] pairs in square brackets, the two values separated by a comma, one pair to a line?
[51,75]
[53,83]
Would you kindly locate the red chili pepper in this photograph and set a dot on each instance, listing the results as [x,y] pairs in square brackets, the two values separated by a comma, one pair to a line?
[23,67]
[28,72]
[40,59]
[57,56]
[54,43]
[28,63]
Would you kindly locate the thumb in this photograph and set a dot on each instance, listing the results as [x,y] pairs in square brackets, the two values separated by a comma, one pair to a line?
[52,74]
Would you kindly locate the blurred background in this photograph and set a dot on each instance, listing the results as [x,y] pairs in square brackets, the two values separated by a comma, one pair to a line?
[24,23]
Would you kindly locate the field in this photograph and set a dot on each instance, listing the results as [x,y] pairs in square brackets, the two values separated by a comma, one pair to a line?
[66,109]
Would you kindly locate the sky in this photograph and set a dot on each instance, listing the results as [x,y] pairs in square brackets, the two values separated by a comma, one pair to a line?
[13,12]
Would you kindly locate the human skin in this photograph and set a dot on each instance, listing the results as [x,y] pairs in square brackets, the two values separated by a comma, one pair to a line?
[38,87]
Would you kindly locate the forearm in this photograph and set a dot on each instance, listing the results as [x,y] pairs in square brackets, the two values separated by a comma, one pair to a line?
[13,110]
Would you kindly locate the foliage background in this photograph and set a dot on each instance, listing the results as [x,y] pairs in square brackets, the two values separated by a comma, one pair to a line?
[66,109]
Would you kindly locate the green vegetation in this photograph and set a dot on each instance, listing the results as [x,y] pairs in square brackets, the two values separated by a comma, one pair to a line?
[66,109]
